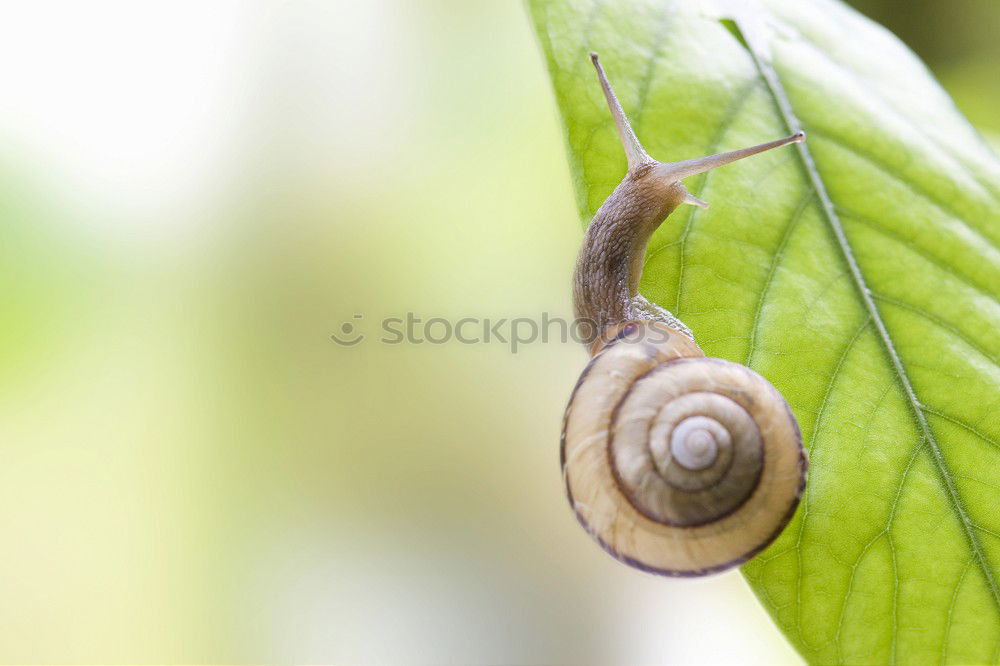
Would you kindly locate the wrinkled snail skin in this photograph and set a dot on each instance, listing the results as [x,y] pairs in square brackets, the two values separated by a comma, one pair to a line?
[675,463]
[606,282]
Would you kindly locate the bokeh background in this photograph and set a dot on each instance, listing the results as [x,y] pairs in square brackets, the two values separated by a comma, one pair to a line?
[193,197]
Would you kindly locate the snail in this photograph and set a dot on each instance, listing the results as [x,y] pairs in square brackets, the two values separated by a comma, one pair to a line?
[676,464]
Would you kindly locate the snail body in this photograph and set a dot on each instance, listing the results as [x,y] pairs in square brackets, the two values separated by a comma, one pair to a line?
[675,463]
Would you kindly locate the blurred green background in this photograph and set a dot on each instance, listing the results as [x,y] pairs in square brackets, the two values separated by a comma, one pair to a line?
[193,198]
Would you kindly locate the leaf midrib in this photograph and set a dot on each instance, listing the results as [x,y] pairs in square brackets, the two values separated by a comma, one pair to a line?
[787,113]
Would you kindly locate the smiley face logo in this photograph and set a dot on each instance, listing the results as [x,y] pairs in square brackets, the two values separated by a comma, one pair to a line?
[349,335]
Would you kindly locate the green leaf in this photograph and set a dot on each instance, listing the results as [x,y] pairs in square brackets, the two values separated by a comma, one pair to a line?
[860,274]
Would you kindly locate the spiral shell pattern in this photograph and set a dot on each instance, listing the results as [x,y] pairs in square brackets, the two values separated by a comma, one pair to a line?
[676,463]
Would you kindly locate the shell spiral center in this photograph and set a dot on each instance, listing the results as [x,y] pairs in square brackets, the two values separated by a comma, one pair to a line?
[684,454]
[695,442]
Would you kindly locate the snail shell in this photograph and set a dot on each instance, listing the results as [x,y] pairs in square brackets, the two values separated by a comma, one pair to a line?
[675,463]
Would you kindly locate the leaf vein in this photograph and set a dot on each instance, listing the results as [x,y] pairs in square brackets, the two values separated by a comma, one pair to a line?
[962,424]
[873,92]
[913,247]
[938,321]
[949,618]
[776,258]
[814,439]
[887,169]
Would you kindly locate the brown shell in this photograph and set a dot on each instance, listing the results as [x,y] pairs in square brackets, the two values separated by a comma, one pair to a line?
[695,523]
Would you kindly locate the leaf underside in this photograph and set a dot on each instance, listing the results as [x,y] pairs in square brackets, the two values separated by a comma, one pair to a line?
[858,272]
